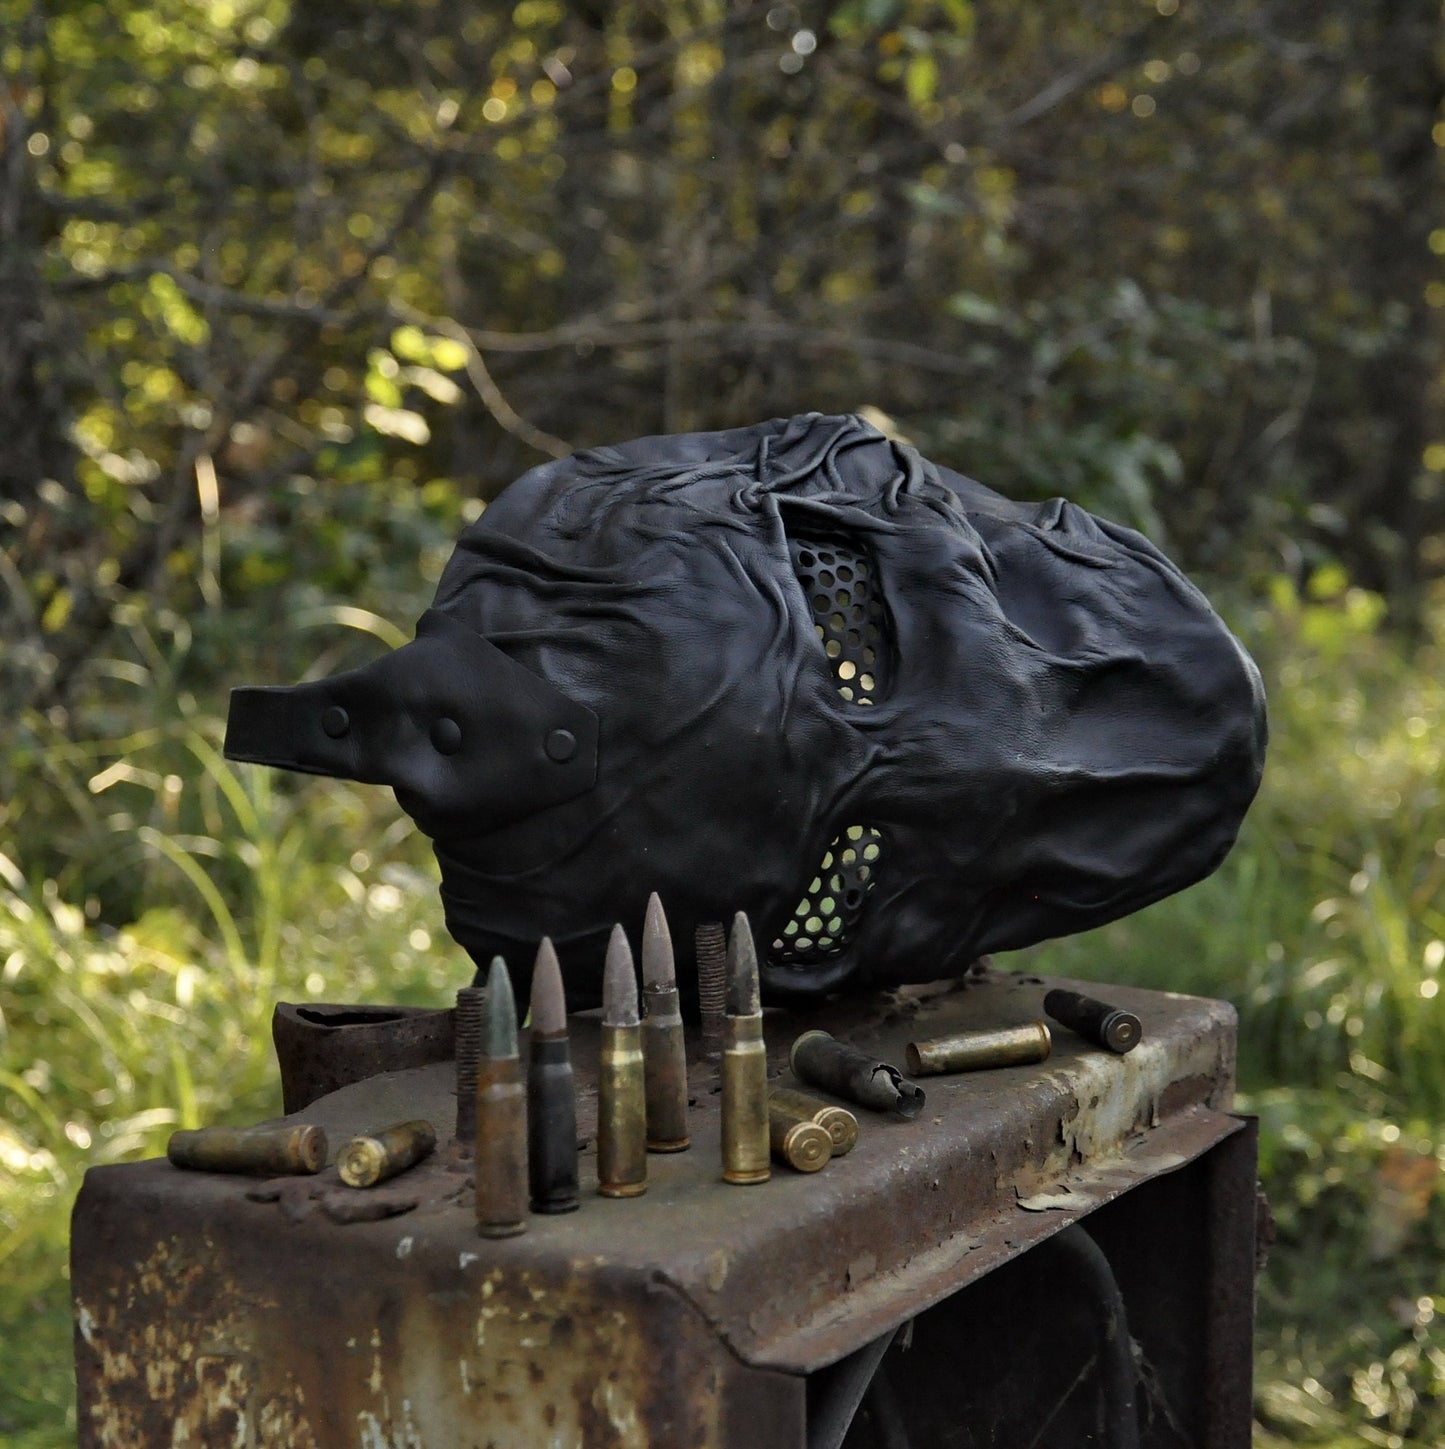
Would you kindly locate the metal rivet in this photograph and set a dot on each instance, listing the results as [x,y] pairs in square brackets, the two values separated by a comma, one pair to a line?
[561,745]
[336,722]
[446,736]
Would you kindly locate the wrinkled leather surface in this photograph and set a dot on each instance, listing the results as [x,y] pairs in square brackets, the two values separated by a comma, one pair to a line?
[1069,732]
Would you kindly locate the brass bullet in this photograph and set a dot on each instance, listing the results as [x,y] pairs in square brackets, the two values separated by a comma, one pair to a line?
[976,1051]
[663,1052]
[844,1070]
[804,1146]
[551,1093]
[745,1142]
[287,1148]
[1107,1026]
[366,1161]
[621,1090]
[500,1151]
[839,1123]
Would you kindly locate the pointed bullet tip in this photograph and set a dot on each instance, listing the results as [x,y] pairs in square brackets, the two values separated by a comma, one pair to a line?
[659,970]
[500,1012]
[743,993]
[549,1001]
[619,982]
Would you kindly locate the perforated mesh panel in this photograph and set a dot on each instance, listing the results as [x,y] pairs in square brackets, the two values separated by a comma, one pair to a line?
[842,588]
[825,918]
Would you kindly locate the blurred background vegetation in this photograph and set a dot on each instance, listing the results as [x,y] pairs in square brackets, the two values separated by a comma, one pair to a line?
[287,292]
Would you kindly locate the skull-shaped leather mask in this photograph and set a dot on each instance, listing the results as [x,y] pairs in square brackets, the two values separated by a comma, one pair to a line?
[798,670]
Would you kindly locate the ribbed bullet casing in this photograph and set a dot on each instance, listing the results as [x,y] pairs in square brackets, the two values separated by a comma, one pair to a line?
[975,1051]
[804,1146]
[664,1057]
[745,1145]
[621,1114]
[366,1161]
[551,1127]
[711,945]
[500,1150]
[840,1124]
[471,1001]
[289,1149]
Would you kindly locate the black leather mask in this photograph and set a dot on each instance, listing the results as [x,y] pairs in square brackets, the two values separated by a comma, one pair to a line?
[797,670]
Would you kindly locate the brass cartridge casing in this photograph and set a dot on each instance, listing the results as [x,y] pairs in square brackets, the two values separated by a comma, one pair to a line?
[501,1148]
[365,1161]
[1110,1027]
[804,1146]
[839,1123]
[665,1071]
[745,1145]
[621,1114]
[839,1067]
[974,1051]
[289,1148]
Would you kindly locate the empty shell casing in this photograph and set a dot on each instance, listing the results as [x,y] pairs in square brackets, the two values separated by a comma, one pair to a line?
[838,1122]
[665,1071]
[289,1148]
[976,1051]
[745,1145]
[804,1146]
[621,1114]
[500,1151]
[846,1071]
[552,1127]
[1107,1026]
[365,1161]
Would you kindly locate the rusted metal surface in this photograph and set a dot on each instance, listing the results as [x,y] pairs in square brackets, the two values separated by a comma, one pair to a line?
[322,1046]
[670,1319]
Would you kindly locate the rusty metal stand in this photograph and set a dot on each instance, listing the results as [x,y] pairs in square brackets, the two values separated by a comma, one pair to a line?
[711,1315]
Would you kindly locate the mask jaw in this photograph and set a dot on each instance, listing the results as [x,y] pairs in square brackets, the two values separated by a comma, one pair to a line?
[467,738]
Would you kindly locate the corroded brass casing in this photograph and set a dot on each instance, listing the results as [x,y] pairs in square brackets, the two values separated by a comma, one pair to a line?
[500,1153]
[365,1161]
[665,1071]
[837,1066]
[290,1148]
[804,1146]
[840,1124]
[974,1051]
[621,1114]
[745,1146]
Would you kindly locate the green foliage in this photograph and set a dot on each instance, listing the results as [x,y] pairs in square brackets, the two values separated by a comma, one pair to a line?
[112,1038]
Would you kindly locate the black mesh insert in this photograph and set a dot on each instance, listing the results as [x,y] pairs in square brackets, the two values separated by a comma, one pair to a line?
[831,907]
[841,584]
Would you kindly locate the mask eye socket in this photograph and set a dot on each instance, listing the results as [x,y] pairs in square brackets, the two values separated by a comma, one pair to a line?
[825,918]
[840,582]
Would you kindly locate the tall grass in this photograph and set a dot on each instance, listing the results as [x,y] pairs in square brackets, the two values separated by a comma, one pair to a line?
[113,1037]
